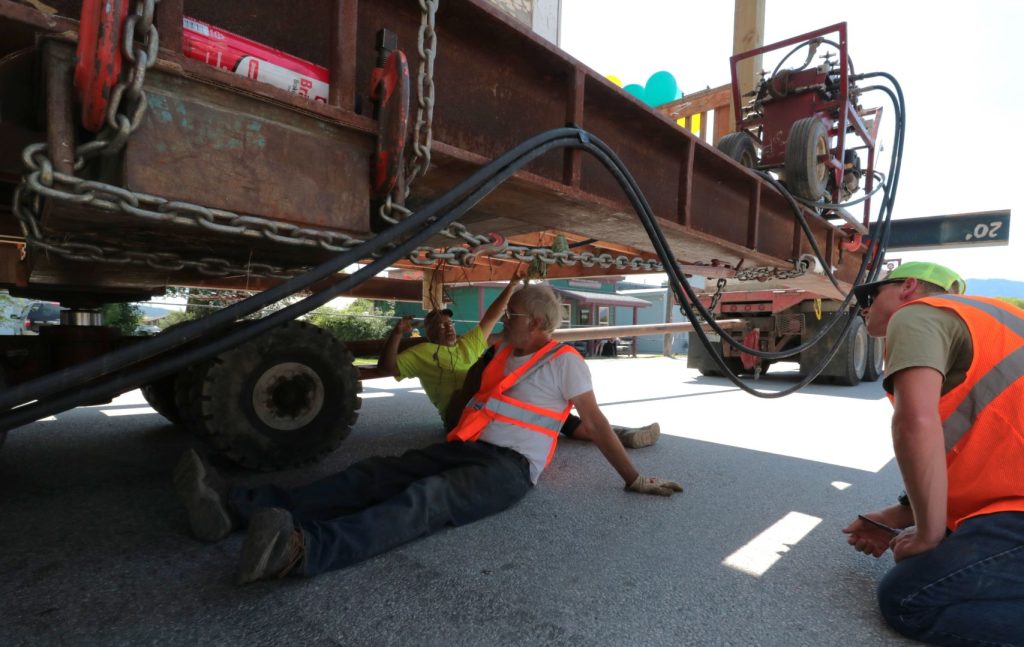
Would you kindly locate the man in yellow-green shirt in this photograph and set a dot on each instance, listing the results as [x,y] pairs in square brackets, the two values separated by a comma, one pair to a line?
[443,361]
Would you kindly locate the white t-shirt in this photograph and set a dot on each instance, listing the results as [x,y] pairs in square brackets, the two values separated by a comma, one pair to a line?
[550,386]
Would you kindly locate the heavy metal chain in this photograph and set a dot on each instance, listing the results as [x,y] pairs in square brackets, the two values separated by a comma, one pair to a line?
[126,108]
[765,273]
[463,256]
[423,135]
[393,210]
[717,296]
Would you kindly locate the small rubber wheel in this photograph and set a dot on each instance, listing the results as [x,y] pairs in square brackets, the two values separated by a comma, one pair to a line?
[804,166]
[740,147]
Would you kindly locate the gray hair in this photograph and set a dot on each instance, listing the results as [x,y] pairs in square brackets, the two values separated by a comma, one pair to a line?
[541,302]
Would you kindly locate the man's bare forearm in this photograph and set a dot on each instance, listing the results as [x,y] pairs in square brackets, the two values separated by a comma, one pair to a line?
[921,454]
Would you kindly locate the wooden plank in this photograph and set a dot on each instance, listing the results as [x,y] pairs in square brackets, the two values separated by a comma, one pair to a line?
[697,102]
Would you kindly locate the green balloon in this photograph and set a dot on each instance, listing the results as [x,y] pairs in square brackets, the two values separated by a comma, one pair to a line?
[635,89]
[661,88]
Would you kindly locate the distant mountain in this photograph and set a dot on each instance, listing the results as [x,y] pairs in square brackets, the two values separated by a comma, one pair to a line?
[151,312]
[995,288]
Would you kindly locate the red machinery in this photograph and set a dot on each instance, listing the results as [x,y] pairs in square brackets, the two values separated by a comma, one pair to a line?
[800,117]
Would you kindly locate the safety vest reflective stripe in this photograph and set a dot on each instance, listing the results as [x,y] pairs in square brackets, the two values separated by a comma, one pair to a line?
[992,383]
[986,390]
[983,417]
[494,404]
[1008,319]
[511,408]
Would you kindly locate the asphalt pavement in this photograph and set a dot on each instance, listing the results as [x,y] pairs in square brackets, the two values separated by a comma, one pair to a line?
[96,551]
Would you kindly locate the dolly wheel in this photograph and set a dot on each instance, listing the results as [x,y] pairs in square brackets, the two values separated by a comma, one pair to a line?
[740,147]
[806,151]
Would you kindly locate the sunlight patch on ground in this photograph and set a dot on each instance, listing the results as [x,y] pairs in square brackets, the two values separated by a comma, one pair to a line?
[837,425]
[840,485]
[134,411]
[761,552]
[826,430]
[376,394]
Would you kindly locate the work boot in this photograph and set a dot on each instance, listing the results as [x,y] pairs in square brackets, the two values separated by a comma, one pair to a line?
[273,546]
[636,437]
[204,494]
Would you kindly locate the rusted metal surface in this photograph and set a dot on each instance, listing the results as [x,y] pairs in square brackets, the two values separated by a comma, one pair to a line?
[59,116]
[230,142]
[344,26]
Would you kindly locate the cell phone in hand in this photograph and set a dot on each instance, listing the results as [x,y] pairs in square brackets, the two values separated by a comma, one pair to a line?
[878,524]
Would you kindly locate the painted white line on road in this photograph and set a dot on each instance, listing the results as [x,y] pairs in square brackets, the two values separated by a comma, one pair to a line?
[376,394]
[840,485]
[761,553]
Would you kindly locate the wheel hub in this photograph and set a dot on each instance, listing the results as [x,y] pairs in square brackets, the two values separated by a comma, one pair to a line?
[288,396]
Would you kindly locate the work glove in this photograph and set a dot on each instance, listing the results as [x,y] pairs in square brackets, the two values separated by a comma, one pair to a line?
[653,485]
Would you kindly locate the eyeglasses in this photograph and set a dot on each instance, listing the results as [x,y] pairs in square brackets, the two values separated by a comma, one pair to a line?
[508,314]
[869,298]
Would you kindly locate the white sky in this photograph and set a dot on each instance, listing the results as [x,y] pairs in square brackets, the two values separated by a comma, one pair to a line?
[958,63]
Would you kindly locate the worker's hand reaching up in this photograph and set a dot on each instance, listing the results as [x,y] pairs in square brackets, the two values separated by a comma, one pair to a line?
[654,485]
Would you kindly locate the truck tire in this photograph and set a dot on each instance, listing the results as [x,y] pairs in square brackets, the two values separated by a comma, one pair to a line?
[807,176]
[187,394]
[740,147]
[876,357]
[287,398]
[160,396]
[853,355]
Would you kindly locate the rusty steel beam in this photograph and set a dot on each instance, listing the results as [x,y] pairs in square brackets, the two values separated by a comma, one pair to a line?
[227,141]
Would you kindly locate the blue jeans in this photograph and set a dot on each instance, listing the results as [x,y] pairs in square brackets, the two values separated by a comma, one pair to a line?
[381,503]
[968,590]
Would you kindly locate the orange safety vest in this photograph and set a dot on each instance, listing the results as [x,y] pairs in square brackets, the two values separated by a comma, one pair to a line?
[491,403]
[983,418]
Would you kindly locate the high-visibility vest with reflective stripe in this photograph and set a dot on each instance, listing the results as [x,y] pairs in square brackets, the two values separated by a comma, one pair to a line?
[983,418]
[539,426]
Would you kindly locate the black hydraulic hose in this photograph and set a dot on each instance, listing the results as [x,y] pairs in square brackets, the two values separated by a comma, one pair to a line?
[66,378]
[884,217]
[807,43]
[118,383]
[798,212]
[679,282]
[533,148]
[843,205]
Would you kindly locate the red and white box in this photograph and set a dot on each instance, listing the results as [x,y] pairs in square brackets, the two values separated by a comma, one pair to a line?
[228,51]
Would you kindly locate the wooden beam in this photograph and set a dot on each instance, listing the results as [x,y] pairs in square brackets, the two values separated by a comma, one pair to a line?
[747,34]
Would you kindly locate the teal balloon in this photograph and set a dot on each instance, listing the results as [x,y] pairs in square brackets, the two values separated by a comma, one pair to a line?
[661,88]
[635,89]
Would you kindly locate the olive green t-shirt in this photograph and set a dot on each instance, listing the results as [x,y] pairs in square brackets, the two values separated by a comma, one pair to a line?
[923,335]
[442,369]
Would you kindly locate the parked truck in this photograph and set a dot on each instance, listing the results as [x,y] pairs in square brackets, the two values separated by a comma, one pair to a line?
[263,148]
